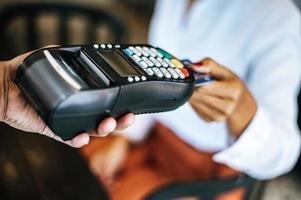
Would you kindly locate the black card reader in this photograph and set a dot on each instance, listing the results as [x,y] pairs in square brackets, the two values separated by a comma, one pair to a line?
[74,87]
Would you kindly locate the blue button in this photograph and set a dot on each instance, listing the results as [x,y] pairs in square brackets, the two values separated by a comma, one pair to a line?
[128,52]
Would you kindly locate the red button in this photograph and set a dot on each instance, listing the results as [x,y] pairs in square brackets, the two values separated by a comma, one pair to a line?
[185,72]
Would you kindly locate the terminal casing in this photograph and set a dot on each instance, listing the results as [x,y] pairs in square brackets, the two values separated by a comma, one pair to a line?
[73,88]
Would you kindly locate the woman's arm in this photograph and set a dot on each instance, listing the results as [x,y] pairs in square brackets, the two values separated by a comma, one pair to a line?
[226,99]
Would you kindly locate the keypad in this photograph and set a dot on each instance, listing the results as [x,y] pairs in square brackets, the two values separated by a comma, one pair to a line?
[165,73]
[157,72]
[156,62]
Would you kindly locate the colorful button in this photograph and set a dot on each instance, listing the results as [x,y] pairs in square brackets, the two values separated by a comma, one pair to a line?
[128,52]
[185,72]
[138,53]
[177,63]
[165,54]
[169,63]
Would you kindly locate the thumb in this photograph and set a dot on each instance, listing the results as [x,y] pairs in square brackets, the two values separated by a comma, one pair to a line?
[210,67]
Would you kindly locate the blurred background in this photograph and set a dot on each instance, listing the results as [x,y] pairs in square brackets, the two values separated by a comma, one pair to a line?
[35,167]
[26,27]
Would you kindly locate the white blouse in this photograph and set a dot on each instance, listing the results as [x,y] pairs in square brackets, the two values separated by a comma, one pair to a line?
[259,40]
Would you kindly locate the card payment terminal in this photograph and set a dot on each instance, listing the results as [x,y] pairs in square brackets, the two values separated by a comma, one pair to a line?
[74,87]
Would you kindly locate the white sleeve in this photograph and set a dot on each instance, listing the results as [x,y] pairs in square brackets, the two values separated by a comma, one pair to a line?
[140,129]
[270,145]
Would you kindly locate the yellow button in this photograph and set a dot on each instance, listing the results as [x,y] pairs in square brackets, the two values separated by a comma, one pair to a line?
[177,63]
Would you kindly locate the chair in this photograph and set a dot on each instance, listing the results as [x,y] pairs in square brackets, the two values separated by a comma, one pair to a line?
[33,166]
[208,190]
[24,17]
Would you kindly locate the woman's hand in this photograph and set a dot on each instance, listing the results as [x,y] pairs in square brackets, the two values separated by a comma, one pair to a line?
[15,110]
[226,99]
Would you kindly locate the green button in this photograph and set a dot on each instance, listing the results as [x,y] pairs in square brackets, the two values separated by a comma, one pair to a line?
[165,54]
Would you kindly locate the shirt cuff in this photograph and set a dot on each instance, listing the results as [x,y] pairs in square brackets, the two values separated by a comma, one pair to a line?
[249,151]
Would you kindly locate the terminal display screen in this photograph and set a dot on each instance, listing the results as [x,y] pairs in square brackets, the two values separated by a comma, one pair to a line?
[119,64]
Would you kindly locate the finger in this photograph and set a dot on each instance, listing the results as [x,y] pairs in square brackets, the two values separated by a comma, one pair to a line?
[80,140]
[224,106]
[212,68]
[219,89]
[106,126]
[18,60]
[199,110]
[125,121]
[207,113]
[77,142]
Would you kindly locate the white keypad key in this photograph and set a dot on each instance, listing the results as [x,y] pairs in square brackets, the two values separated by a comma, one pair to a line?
[157,72]
[182,76]
[138,53]
[169,63]
[136,58]
[143,65]
[149,71]
[173,73]
[165,73]
[148,62]
[143,78]
[153,52]
[130,79]
[137,78]
[162,62]
[144,53]
[96,46]
[148,51]
[165,64]
[138,49]
[154,60]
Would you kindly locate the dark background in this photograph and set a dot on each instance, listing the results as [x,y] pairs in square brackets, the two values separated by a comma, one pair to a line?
[36,167]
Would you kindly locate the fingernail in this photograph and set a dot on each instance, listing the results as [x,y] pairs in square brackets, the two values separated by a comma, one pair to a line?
[198,64]
[80,141]
[105,129]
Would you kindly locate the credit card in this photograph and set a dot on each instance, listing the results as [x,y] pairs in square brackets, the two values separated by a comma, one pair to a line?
[200,78]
